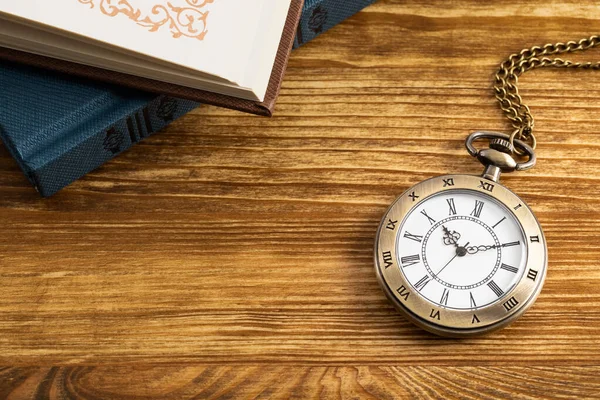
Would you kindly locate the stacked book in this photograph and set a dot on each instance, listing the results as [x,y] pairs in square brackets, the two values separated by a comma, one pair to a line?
[79,78]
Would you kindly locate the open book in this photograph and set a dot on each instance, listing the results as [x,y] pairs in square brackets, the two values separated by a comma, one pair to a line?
[229,48]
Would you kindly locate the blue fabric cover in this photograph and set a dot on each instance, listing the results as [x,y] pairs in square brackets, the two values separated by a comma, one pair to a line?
[318,16]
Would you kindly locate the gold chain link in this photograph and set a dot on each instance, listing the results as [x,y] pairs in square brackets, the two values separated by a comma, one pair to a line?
[507,77]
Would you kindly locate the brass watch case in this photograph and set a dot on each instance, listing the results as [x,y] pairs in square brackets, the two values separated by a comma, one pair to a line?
[453,322]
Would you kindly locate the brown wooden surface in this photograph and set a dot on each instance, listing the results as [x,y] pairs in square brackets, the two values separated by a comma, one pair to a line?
[230,255]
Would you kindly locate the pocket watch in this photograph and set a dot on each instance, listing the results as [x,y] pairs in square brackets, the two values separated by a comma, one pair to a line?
[462,255]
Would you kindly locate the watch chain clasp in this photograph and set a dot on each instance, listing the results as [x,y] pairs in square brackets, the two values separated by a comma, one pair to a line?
[499,157]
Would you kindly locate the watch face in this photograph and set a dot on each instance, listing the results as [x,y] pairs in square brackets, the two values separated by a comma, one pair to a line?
[461,249]
[460,255]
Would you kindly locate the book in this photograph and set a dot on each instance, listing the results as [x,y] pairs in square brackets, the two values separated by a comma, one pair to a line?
[59,128]
[230,53]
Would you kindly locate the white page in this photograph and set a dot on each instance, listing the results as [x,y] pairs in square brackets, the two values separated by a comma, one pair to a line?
[224,49]
[118,62]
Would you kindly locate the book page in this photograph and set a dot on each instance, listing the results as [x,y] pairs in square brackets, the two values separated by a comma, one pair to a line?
[211,36]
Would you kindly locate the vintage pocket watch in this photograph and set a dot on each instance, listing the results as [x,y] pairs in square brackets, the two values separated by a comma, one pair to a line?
[462,255]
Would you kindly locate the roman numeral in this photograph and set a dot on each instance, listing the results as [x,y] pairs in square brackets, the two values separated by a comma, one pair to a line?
[478,208]
[498,223]
[532,274]
[486,186]
[391,225]
[510,303]
[509,268]
[449,182]
[510,244]
[407,261]
[535,239]
[435,314]
[422,282]
[473,304]
[387,259]
[444,299]
[431,220]
[517,207]
[403,292]
[410,236]
[495,288]
[452,207]
[475,319]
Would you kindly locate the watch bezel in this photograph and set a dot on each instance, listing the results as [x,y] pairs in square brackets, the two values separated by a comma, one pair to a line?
[455,322]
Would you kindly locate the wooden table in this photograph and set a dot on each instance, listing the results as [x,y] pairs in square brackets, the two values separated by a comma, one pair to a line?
[231,255]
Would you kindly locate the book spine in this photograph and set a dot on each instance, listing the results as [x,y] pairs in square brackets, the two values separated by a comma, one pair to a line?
[318,16]
[107,144]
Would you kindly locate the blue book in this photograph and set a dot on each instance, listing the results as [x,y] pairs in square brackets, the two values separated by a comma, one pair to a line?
[58,128]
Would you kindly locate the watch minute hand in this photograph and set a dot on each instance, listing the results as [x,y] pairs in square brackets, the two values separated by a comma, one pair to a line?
[477,249]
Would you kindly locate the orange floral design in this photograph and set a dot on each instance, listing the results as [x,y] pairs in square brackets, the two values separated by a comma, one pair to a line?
[184,21]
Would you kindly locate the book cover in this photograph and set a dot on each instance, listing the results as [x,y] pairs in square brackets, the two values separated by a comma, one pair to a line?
[58,128]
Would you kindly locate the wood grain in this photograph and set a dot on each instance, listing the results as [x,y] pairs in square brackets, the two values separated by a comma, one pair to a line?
[285,382]
[240,248]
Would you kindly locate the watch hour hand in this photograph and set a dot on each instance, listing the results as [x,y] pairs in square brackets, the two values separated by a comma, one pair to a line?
[450,237]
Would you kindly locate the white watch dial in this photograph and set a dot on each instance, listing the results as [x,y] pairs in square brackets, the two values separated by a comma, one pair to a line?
[461,249]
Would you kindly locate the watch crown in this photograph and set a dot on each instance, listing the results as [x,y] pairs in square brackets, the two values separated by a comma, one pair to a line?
[502,145]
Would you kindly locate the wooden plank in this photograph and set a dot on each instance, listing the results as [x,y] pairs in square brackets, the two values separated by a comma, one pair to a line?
[284,382]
